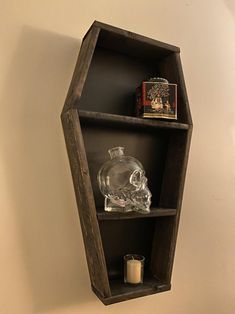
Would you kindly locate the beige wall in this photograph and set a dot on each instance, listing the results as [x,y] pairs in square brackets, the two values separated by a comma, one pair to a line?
[42,262]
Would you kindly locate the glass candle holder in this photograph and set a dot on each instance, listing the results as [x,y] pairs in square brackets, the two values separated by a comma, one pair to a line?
[133,268]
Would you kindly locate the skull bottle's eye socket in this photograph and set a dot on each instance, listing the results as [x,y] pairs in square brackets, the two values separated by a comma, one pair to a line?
[136,177]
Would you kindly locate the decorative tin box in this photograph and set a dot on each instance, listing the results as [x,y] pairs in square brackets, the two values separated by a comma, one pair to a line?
[156,98]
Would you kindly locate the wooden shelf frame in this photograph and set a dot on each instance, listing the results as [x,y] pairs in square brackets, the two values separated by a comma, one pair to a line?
[98,112]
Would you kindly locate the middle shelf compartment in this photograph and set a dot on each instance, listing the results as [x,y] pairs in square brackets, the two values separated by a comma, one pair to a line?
[160,150]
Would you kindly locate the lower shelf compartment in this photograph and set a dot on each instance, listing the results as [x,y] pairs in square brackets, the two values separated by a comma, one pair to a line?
[123,292]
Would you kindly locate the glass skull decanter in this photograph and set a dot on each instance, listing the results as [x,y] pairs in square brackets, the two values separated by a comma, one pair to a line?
[123,183]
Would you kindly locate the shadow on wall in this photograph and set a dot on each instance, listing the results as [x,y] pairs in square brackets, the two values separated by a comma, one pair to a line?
[37,168]
[231,6]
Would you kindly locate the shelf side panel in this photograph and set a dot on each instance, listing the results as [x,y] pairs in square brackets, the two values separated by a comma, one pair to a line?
[85,202]
[180,198]
[81,69]
[172,192]
[161,248]
[174,170]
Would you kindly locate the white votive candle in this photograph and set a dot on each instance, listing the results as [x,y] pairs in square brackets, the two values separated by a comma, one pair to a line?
[133,271]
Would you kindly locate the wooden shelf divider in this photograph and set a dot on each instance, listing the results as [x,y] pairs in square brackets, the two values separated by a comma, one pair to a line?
[154,212]
[102,117]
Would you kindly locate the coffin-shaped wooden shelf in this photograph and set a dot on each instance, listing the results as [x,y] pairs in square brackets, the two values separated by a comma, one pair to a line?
[98,115]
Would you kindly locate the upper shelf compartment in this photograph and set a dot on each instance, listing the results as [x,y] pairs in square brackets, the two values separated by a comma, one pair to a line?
[115,63]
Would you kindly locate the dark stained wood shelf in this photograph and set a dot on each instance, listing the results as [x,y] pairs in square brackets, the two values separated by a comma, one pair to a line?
[154,212]
[99,114]
[102,117]
[123,292]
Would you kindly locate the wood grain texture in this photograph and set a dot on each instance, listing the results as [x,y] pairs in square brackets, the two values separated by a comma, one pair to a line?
[82,66]
[179,202]
[85,202]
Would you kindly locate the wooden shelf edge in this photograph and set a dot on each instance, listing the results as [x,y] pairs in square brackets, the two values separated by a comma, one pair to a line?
[115,298]
[134,36]
[128,120]
[154,212]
